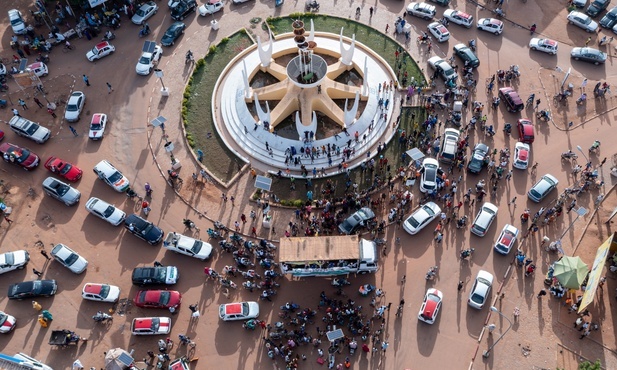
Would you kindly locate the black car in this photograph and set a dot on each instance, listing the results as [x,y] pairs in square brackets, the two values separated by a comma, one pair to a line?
[184,8]
[596,7]
[143,229]
[173,32]
[466,55]
[30,289]
[441,2]
[477,158]
[166,275]
[610,19]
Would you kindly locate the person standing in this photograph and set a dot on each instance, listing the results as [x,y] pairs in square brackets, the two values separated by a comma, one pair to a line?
[37,273]
[51,111]
[22,103]
[541,293]
[86,80]
[44,253]
[459,287]
[38,102]
[15,112]
[72,130]
[109,88]
[370,12]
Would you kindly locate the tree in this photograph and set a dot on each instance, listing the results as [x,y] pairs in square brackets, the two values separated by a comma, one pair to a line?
[589,366]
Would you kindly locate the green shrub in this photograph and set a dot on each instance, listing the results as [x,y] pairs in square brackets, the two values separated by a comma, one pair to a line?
[224,40]
[212,49]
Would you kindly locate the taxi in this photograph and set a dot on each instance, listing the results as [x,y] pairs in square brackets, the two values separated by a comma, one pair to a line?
[430,306]
[97,126]
[39,69]
[492,25]
[440,32]
[151,326]
[546,45]
[458,17]
[239,311]
[100,50]
[100,292]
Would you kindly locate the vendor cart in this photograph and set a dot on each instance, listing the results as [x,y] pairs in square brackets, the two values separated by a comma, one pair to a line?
[63,338]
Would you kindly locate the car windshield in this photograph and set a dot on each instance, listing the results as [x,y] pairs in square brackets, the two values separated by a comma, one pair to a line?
[155,324]
[3,318]
[20,154]
[144,60]
[197,246]
[32,129]
[413,221]
[95,51]
[67,167]
[104,291]
[141,12]
[72,108]
[71,259]
[95,126]
[115,177]
[16,21]
[109,211]
[164,298]
[9,259]
[245,309]
[160,274]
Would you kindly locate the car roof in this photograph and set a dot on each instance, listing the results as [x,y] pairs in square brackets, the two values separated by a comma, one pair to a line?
[93,288]
[97,117]
[233,308]
[101,45]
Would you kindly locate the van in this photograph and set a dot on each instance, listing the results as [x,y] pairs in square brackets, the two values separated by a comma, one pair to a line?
[450,145]
[31,130]
[513,101]
[484,219]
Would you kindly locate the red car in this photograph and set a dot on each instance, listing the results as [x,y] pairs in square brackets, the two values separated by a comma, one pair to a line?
[525,131]
[63,169]
[158,299]
[20,156]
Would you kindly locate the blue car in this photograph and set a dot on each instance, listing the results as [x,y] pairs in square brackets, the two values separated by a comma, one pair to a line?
[173,32]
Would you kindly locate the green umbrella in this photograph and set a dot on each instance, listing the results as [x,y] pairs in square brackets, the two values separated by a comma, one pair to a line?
[570,271]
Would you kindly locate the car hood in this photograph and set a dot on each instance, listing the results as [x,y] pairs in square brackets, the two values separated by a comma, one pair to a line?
[72,195]
[142,68]
[90,55]
[154,233]
[79,266]
[41,134]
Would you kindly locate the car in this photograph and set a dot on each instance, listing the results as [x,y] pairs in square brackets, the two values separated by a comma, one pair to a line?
[30,130]
[188,246]
[506,240]
[211,7]
[467,55]
[39,68]
[579,3]
[458,17]
[521,156]
[151,326]
[63,169]
[421,10]
[430,172]
[97,126]
[100,292]
[172,3]
[17,22]
[430,306]
[167,275]
[22,157]
[100,50]
[541,189]
[610,19]
[31,289]
[444,69]
[597,7]
[183,9]
[439,31]
[525,131]
[476,163]
[58,190]
[158,299]
[7,322]
[356,220]
[449,145]
[484,219]
[112,177]
[582,21]
[173,32]
[105,211]
[492,25]
[480,290]
[15,260]
[441,2]
[512,100]
[144,12]
[236,2]
[421,217]
[74,106]
[590,55]
[143,229]
[150,56]
[239,311]
[546,45]
[69,258]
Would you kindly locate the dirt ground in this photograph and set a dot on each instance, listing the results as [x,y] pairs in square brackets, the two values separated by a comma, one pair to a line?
[544,328]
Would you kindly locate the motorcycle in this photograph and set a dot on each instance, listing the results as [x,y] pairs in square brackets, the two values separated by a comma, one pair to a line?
[227,246]
[290,307]
[101,317]
[543,115]
[228,283]
[582,99]
[250,274]
[392,215]
[269,283]
[267,263]
[189,224]
[267,293]
[43,58]
[219,226]
[352,346]
[461,222]
[189,57]
[594,147]
[263,243]
[214,235]
[236,238]
[514,69]
[109,36]
[569,155]
[145,31]
[379,241]
[249,246]
[340,282]
[311,6]
[431,273]
[250,325]
[525,216]
[499,13]
[507,128]
[271,274]
[248,285]
[467,253]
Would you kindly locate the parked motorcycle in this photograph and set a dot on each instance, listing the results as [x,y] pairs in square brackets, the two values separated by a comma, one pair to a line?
[569,155]
[109,36]
[214,234]
[101,317]
[189,57]
[311,6]
[290,307]
[431,273]
[594,147]
[467,253]
[228,283]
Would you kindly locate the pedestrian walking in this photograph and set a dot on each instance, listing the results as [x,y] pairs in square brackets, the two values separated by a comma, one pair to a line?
[538,101]
[253,215]
[72,130]
[15,112]
[237,225]
[541,293]
[603,161]
[44,253]
[109,88]
[509,175]
[193,307]
[7,219]
[38,102]
[370,12]
[51,111]
[439,237]
[243,218]
[513,201]
[22,103]
[253,231]
[404,279]
[86,80]
[584,84]
[459,287]
[37,273]
[387,27]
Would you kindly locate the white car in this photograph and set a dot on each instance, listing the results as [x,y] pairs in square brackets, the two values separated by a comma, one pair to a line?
[149,58]
[521,156]
[421,10]
[15,260]
[186,245]
[144,12]
[105,211]
[546,45]
[421,217]
[112,177]
[17,22]
[430,306]
[69,258]
[458,17]
[239,1]
[429,170]
[7,322]
[102,49]
[151,326]
[445,70]
[74,106]
[582,21]
[100,292]
[484,219]
[97,126]
[480,290]
[39,68]
[211,7]
[238,311]
[492,25]
[506,240]
[440,31]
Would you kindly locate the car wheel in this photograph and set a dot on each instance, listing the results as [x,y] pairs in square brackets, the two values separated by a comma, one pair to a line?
[20,267]
[533,48]
[588,31]
[596,63]
[577,58]
[570,22]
